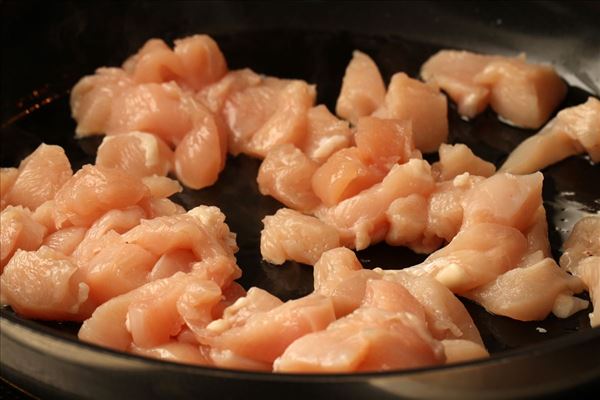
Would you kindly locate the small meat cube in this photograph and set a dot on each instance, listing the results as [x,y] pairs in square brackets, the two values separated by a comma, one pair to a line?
[290,235]
[581,257]
[176,351]
[138,153]
[344,175]
[369,339]
[459,350]
[422,104]
[457,159]
[288,124]
[92,99]
[476,256]
[8,176]
[44,284]
[447,317]
[41,175]
[531,293]
[65,240]
[574,130]
[339,276]
[361,219]
[94,190]
[195,62]
[522,94]
[363,90]
[265,335]
[384,142]
[19,231]
[201,154]
[286,174]
[325,134]
[453,71]
[505,199]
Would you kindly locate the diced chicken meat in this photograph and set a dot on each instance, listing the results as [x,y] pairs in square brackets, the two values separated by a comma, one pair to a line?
[286,174]
[361,219]
[44,284]
[531,293]
[422,104]
[290,235]
[370,339]
[41,175]
[476,256]
[363,90]
[581,257]
[574,130]
[140,154]
[264,336]
[522,94]
[457,159]
[19,231]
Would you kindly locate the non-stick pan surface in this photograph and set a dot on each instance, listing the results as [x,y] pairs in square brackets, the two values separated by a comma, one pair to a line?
[46,49]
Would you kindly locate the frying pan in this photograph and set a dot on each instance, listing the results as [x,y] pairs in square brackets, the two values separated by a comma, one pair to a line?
[47,48]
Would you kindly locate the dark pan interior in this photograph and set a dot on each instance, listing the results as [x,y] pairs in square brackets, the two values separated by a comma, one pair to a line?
[313,41]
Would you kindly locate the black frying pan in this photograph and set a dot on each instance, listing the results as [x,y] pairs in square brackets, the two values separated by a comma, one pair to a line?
[46,49]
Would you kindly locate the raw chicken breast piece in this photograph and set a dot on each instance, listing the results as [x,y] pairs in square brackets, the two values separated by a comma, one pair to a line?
[249,102]
[372,338]
[184,231]
[325,134]
[505,199]
[228,359]
[459,350]
[286,174]
[581,257]
[288,123]
[344,175]
[41,175]
[44,284]
[456,159]
[92,191]
[65,240]
[201,154]
[446,316]
[522,94]
[453,71]
[384,142]
[265,335]
[411,100]
[339,276]
[574,130]
[8,176]
[163,109]
[147,316]
[538,244]
[407,217]
[363,90]
[138,153]
[19,231]
[92,99]
[115,267]
[195,62]
[176,351]
[255,301]
[445,210]
[531,293]
[361,219]
[161,187]
[476,256]
[215,95]
[290,235]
